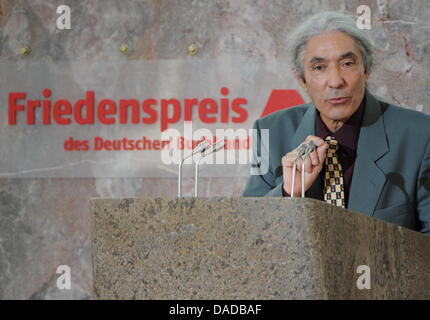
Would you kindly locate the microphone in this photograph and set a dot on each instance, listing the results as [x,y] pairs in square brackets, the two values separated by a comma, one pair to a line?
[304,150]
[309,148]
[201,147]
[300,151]
[214,148]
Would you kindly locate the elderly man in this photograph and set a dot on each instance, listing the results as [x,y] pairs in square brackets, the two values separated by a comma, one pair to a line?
[372,157]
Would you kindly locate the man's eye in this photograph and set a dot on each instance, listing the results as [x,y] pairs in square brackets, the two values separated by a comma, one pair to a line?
[348,64]
[317,68]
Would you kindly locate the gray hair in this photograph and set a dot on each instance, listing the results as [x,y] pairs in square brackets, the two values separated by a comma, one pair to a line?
[322,23]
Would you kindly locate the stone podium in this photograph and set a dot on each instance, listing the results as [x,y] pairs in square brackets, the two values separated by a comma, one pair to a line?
[251,248]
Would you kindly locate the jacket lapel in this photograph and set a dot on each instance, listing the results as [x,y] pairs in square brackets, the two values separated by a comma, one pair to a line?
[368,179]
[306,127]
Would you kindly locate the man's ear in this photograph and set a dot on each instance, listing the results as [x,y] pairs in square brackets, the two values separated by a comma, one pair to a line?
[300,80]
[366,77]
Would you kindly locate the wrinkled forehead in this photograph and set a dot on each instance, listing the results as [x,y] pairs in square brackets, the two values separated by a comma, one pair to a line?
[331,46]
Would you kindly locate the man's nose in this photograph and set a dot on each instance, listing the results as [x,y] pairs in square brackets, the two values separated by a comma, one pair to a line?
[335,79]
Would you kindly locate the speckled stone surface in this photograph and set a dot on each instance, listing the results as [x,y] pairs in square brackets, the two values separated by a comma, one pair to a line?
[250,248]
[44,222]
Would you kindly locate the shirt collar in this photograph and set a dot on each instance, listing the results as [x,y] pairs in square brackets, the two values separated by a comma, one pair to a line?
[347,135]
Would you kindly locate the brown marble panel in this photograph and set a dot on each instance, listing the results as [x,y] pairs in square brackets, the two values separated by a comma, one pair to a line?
[250,248]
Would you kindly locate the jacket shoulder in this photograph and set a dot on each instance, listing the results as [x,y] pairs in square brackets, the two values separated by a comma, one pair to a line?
[402,118]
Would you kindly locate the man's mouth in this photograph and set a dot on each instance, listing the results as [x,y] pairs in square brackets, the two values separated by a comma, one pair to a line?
[339,100]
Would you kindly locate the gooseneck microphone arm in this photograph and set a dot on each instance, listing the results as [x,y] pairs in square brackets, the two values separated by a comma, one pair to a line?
[304,150]
[214,148]
[196,176]
[201,147]
[309,148]
[300,151]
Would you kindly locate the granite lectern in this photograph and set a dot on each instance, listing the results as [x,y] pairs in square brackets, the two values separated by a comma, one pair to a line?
[251,248]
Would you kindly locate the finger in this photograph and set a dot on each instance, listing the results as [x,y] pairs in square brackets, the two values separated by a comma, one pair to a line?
[308,165]
[299,165]
[317,140]
[322,152]
[314,158]
[288,159]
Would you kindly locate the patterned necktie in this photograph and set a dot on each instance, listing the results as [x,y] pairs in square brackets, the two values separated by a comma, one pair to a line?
[333,183]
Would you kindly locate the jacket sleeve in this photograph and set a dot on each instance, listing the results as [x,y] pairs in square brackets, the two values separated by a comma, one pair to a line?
[261,181]
[423,192]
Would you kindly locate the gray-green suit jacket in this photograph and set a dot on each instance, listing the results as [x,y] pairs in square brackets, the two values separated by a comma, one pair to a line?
[391,179]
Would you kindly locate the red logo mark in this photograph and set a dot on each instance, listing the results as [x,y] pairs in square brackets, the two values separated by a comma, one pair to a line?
[281,99]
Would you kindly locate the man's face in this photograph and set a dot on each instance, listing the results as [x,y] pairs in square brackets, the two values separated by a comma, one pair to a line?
[334,75]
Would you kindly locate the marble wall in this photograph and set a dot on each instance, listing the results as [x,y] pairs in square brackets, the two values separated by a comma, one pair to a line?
[44,223]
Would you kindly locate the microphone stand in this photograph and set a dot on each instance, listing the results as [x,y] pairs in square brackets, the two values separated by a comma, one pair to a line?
[201,147]
[304,150]
[301,151]
[214,148]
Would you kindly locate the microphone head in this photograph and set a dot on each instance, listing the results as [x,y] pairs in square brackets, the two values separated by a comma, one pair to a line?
[312,146]
[218,146]
[213,148]
[201,147]
[309,148]
[301,150]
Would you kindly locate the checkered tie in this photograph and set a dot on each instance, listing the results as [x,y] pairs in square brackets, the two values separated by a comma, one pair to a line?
[333,183]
